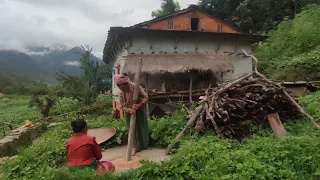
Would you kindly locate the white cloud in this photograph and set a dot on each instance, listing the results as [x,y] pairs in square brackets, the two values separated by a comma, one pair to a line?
[72,63]
[69,22]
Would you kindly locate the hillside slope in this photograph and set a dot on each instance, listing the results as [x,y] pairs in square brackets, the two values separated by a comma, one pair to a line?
[293,51]
[42,67]
[67,61]
[21,64]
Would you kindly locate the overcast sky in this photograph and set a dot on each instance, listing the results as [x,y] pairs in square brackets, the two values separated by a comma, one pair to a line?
[69,22]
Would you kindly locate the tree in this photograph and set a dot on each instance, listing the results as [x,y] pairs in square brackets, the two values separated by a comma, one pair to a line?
[43,103]
[255,16]
[167,7]
[84,88]
[105,77]
[222,9]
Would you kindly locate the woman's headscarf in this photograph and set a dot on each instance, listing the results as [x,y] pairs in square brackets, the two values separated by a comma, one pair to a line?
[121,79]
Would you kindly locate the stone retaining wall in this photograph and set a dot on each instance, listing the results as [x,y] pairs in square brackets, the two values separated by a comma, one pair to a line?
[19,137]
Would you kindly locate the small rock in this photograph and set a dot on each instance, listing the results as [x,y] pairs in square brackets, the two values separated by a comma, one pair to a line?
[5,140]
[4,159]
[53,125]
[11,137]
[15,131]
[5,100]
[13,157]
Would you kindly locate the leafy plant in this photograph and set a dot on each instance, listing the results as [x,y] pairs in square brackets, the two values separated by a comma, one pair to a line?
[163,130]
[261,157]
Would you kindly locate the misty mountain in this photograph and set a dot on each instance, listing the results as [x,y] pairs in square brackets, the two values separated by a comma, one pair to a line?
[21,64]
[43,63]
[67,61]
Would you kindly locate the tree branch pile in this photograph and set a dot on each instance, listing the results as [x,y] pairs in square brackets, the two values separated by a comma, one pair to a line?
[229,107]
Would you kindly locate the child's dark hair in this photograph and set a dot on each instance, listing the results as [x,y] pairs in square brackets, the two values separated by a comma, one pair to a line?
[78,125]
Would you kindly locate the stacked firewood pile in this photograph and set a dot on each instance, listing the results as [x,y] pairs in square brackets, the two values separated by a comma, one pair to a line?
[229,109]
[231,106]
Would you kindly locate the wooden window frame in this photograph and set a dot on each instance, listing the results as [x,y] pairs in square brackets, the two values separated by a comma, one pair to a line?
[219,28]
[170,25]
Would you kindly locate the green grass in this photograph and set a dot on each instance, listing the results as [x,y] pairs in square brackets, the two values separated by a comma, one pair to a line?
[297,156]
[46,159]
[17,110]
[205,156]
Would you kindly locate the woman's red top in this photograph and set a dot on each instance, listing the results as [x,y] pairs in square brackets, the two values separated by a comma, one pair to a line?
[82,149]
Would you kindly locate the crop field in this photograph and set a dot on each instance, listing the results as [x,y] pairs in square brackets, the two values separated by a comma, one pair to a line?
[17,110]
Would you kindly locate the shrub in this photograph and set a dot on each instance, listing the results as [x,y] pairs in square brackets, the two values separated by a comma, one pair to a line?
[292,49]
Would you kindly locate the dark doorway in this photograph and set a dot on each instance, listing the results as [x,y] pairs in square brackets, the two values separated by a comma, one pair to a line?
[194,24]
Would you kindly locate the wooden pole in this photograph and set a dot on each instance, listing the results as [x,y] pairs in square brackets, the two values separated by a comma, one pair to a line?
[276,125]
[190,89]
[133,116]
[147,104]
[191,121]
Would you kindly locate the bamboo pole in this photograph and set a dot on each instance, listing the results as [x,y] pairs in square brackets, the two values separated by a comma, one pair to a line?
[133,116]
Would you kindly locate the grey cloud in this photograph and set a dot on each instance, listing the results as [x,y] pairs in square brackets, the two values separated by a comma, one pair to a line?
[70,22]
[93,9]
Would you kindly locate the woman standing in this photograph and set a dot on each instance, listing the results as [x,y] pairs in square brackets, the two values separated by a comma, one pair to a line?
[127,105]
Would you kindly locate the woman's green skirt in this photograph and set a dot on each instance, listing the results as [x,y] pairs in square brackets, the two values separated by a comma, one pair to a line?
[90,167]
[141,131]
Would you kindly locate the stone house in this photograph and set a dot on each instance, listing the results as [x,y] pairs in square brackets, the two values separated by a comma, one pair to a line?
[182,53]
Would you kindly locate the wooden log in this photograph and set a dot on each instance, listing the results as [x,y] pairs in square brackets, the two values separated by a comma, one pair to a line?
[229,85]
[190,89]
[147,91]
[200,124]
[276,125]
[175,95]
[206,108]
[302,111]
[133,116]
[190,123]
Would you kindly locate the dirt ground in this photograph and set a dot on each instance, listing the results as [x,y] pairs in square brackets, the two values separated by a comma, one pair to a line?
[117,154]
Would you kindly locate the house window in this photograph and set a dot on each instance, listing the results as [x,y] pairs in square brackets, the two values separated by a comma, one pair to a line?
[219,28]
[170,25]
[194,24]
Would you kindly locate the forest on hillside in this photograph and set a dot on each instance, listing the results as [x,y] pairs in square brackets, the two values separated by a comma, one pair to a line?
[250,16]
